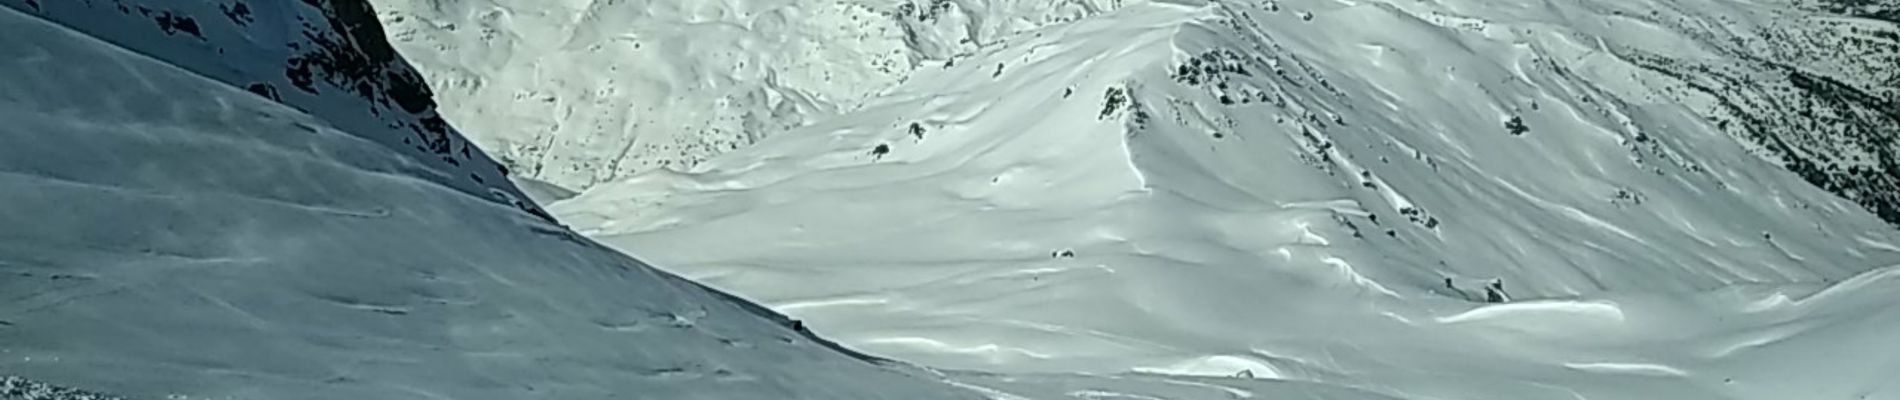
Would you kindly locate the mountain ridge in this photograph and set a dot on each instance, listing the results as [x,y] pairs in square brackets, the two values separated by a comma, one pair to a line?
[1397,196]
[325,57]
[175,236]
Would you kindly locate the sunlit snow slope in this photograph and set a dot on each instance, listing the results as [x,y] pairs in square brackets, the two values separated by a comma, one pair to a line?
[576,93]
[167,236]
[579,93]
[1323,191]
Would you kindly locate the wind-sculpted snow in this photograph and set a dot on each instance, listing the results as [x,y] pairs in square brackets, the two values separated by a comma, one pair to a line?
[1463,199]
[325,57]
[575,96]
[168,236]
[1454,199]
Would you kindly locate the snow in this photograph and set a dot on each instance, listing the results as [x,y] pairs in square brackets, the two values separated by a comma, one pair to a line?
[323,57]
[170,236]
[1113,199]
[578,93]
[542,192]
[1204,188]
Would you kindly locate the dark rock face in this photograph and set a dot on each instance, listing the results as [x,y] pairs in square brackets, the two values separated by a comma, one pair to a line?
[16,388]
[328,58]
[174,24]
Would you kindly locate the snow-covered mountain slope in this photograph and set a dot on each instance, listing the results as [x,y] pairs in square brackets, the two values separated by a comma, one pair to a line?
[170,236]
[576,93]
[324,57]
[1816,93]
[1324,191]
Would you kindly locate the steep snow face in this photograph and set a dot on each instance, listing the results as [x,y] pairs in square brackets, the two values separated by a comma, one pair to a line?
[1459,199]
[169,236]
[576,93]
[324,57]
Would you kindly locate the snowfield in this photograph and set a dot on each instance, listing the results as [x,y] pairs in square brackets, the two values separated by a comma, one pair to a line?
[949,199]
[578,93]
[171,237]
[1320,191]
